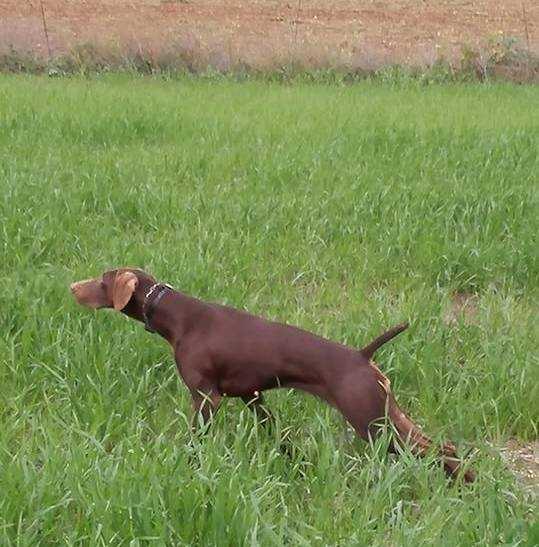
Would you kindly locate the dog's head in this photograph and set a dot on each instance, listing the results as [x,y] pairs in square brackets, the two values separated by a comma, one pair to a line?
[114,289]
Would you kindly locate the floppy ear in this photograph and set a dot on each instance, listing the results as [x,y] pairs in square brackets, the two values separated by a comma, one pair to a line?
[124,287]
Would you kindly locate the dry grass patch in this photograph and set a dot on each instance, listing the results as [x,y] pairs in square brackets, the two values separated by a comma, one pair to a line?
[462,307]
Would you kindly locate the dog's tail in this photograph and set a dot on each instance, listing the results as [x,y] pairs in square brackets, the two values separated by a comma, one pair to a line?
[370,350]
[409,434]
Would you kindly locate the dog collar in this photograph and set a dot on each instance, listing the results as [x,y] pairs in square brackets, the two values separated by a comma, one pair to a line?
[151,300]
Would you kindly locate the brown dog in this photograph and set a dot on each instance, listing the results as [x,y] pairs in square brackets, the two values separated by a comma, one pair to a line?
[222,351]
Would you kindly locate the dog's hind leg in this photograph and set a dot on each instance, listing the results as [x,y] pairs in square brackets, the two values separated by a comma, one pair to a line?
[372,400]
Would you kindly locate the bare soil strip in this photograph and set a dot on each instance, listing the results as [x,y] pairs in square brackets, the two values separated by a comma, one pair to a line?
[259,32]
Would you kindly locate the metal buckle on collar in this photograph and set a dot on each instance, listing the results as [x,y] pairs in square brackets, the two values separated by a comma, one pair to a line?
[149,305]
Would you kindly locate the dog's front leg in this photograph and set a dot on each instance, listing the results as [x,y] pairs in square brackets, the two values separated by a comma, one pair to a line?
[205,405]
[196,370]
[259,409]
[266,419]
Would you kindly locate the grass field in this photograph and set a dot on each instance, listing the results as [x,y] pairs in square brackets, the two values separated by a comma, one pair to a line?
[344,210]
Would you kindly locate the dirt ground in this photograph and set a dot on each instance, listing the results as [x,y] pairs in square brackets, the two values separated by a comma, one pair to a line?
[375,32]
[523,460]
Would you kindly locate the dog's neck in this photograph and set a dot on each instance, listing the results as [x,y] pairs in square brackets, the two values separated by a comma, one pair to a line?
[151,301]
[170,317]
[134,307]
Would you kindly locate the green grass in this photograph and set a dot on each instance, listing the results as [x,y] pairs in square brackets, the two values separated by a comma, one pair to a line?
[340,209]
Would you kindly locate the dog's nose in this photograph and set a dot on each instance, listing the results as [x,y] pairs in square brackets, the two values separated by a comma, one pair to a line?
[73,287]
